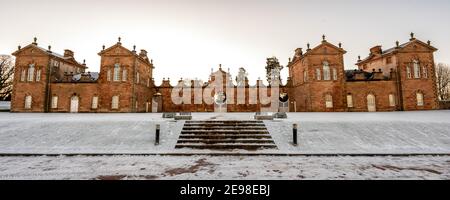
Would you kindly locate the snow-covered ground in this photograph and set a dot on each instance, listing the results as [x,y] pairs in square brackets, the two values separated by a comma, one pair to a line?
[384,132]
[224,167]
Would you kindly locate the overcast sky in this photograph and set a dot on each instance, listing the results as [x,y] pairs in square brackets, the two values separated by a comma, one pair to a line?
[186,38]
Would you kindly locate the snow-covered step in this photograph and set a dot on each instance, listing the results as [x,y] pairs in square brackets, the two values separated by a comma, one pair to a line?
[224,125]
[227,146]
[235,131]
[223,135]
[229,140]
[226,121]
[224,128]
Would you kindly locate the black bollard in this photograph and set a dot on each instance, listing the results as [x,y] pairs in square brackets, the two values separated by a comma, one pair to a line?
[294,134]
[157,134]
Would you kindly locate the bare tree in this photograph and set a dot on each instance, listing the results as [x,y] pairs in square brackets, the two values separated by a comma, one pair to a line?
[443,81]
[6,76]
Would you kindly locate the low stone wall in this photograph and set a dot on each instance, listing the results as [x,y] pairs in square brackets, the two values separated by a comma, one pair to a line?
[444,105]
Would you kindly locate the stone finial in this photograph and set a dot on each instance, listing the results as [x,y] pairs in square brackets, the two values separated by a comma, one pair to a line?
[118,40]
[397,43]
[35,41]
[308,47]
[429,43]
[84,61]
[340,45]
[103,47]
[220,66]
[151,61]
[359,58]
[324,38]
[19,47]
[412,36]
[134,48]
[49,48]
[289,59]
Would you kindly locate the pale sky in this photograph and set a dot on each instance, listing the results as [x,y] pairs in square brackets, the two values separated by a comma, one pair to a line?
[186,38]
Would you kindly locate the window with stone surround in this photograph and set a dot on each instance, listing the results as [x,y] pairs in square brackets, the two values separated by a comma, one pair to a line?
[108,75]
[335,77]
[116,72]
[408,72]
[392,100]
[38,75]
[349,101]
[124,75]
[326,71]
[28,101]
[318,74]
[23,75]
[328,101]
[419,97]
[425,72]
[115,102]
[416,67]
[30,73]
[54,101]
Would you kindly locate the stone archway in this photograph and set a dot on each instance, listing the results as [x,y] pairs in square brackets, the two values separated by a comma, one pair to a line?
[284,102]
[220,102]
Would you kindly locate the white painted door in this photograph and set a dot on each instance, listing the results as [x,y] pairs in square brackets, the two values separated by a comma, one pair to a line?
[154,106]
[74,104]
[371,104]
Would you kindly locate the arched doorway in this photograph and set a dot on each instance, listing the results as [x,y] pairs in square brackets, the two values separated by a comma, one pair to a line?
[371,104]
[74,104]
[284,102]
[157,103]
[220,102]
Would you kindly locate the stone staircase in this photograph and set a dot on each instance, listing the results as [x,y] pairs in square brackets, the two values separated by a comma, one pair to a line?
[225,135]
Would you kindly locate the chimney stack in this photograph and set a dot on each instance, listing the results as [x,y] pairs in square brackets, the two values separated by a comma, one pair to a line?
[298,52]
[143,53]
[376,50]
[68,53]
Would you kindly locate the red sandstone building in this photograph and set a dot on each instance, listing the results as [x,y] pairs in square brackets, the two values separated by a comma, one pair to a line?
[399,78]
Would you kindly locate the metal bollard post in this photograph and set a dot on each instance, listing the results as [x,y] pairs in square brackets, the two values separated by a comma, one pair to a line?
[157,134]
[294,134]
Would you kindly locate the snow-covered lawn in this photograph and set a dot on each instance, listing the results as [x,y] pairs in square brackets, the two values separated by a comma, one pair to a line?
[5,105]
[384,132]
[224,167]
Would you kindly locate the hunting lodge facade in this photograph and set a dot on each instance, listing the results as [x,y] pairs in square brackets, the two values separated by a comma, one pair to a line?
[399,78]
